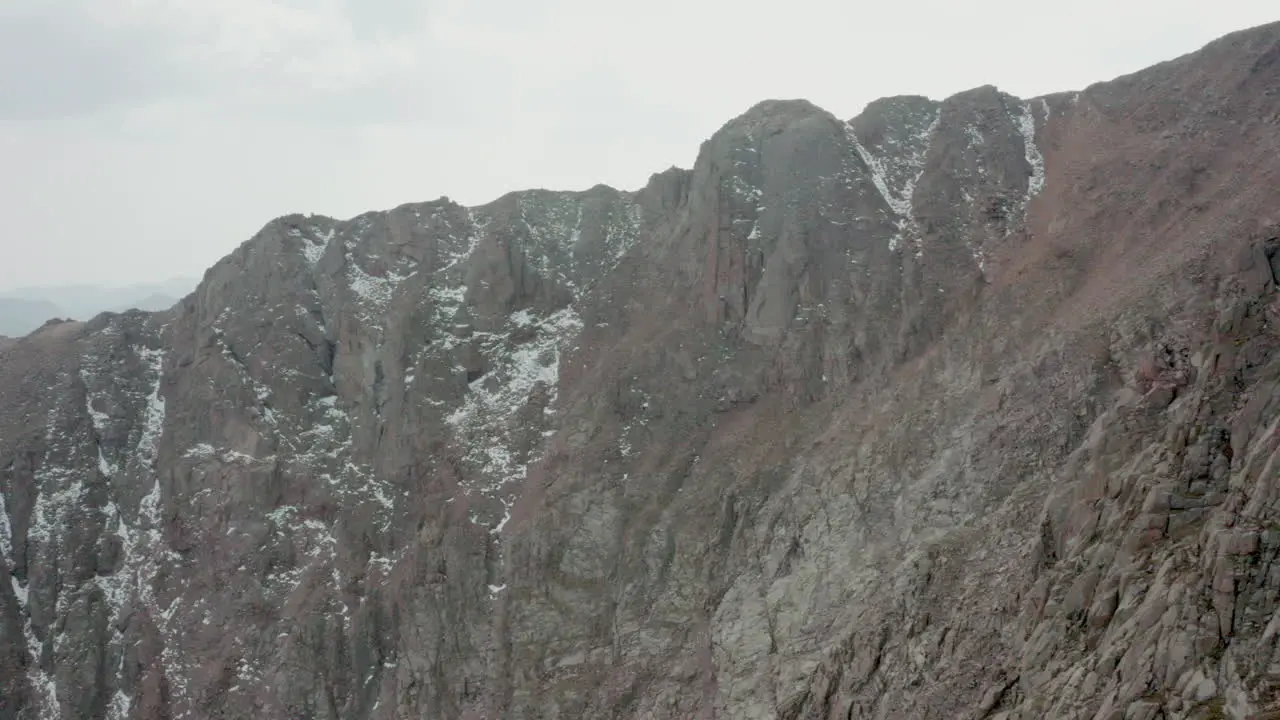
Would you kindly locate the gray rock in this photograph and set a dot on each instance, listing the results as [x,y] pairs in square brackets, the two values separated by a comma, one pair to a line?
[962,409]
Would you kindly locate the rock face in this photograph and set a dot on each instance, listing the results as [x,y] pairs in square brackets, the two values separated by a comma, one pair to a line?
[960,409]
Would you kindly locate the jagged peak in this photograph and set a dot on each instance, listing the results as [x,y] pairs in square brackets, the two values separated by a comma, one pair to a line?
[898,114]
[666,178]
[979,96]
[771,116]
[908,110]
[53,322]
[539,195]
[672,171]
[444,202]
[773,107]
[897,105]
[601,189]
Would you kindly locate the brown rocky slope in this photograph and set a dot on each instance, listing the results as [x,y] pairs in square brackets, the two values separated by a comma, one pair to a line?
[961,409]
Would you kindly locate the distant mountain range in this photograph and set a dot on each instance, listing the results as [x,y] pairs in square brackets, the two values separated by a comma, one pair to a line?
[26,309]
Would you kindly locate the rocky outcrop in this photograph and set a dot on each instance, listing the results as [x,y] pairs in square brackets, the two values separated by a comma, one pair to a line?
[959,409]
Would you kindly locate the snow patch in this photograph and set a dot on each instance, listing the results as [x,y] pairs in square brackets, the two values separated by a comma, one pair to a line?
[202,451]
[469,246]
[46,689]
[326,454]
[979,257]
[6,538]
[100,419]
[488,416]
[313,248]
[446,301]
[1035,160]
[895,176]
[897,198]
[60,495]
[623,233]
[506,516]
[120,706]
[53,504]
[104,467]
[315,540]
[744,190]
[381,563]
[374,292]
[625,444]
[149,509]
[522,318]
[153,419]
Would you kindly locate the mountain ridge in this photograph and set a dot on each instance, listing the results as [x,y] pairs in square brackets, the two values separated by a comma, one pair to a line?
[962,408]
[23,310]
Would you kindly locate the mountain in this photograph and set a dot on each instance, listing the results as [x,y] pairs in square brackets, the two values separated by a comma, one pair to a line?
[19,316]
[25,309]
[960,409]
[154,302]
[86,301]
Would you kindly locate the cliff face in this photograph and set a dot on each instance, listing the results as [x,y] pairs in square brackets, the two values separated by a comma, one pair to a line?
[960,409]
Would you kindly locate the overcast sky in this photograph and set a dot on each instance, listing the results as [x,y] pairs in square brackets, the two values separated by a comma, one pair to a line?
[143,139]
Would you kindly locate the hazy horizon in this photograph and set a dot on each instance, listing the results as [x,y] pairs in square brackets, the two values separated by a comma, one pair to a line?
[19,290]
[147,139]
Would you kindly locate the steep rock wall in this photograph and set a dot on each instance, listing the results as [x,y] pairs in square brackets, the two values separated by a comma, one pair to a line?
[959,409]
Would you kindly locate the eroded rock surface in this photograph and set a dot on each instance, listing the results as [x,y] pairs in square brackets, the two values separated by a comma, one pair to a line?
[959,409]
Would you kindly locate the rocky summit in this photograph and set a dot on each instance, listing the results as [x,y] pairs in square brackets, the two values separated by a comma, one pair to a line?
[957,410]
